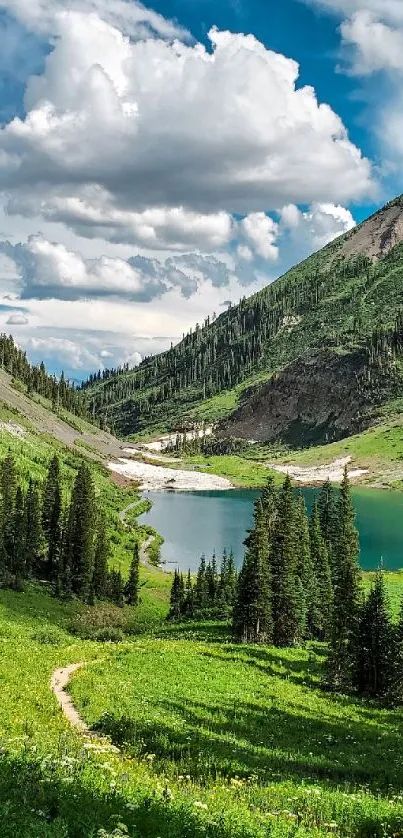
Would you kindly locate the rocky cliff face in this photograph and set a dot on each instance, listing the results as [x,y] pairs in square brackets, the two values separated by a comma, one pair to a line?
[376,237]
[314,400]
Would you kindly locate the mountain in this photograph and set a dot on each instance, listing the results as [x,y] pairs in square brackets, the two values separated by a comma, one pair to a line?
[310,358]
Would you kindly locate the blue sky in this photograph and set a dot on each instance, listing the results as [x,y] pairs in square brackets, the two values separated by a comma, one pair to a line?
[152,169]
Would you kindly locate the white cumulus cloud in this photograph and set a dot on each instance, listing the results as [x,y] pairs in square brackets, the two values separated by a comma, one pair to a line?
[148,126]
[319,225]
[261,232]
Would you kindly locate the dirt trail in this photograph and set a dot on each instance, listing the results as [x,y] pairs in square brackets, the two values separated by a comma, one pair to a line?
[59,682]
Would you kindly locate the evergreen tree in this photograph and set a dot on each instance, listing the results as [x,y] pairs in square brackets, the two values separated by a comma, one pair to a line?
[252,620]
[52,517]
[328,521]
[321,595]
[189,604]
[64,580]
[8,489]
[133,583]
[227,585]
[19,535]
[346,593]
[101,560]
[116,587]
[177,597]
[306,582]
[232,580]
[269,500]
[80,533]
[288,607]
[201,592]
[34,542]
[212,581]
[375,653]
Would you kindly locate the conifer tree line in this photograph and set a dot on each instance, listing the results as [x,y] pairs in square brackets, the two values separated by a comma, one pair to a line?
[211,595]
[300,581]
[289,583]
[59,391]
[65,543]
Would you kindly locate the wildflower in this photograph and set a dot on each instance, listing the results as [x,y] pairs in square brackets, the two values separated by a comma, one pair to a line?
[199,805]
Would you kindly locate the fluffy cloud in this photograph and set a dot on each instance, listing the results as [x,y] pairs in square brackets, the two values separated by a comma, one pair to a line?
[92,215]
[130,16]
[372,41]
[316,227]
[17,320]
[61,352]
[390,10]
[377,45]
[120,133]
[261,232]
[48,269]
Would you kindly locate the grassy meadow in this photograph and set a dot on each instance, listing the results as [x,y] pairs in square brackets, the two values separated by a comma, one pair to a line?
[215,740]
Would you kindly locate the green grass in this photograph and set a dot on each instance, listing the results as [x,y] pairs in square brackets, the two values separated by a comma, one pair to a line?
[242,472]
[219,741]
[248,732]
[379,449]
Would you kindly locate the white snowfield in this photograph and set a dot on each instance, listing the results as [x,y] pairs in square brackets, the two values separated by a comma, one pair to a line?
[319,474]
[156,478]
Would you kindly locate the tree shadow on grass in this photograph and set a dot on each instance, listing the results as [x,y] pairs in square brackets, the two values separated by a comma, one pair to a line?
[301,668]
[34,804]
[244,739]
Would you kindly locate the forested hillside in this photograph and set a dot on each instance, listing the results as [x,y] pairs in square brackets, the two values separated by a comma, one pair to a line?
[341,306]
[36,379]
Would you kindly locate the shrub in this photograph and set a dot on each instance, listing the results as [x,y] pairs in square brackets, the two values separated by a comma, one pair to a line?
[104,622]
[108,635]
[48,637]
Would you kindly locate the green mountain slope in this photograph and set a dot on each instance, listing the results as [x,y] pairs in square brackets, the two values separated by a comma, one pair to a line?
[330,325]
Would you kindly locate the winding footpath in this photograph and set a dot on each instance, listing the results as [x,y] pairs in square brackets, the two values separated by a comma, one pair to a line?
[59,681]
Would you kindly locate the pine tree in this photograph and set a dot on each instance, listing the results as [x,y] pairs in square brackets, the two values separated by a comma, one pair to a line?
[80,533]
[34,542]
[305,574]
[227,586]
[189,605]
[346,593]
[252,620]
[201,588]
[133,583]
[269,500]
[177,597]
[101,560]
[288,611]
[116,588]
[19,534]
[8,489]
[52,517]
[375,655]
[328,521]
[232,579]
[212,581]
[321,595]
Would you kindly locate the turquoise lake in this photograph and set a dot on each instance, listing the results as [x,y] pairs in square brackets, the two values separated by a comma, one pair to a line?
[193,523]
